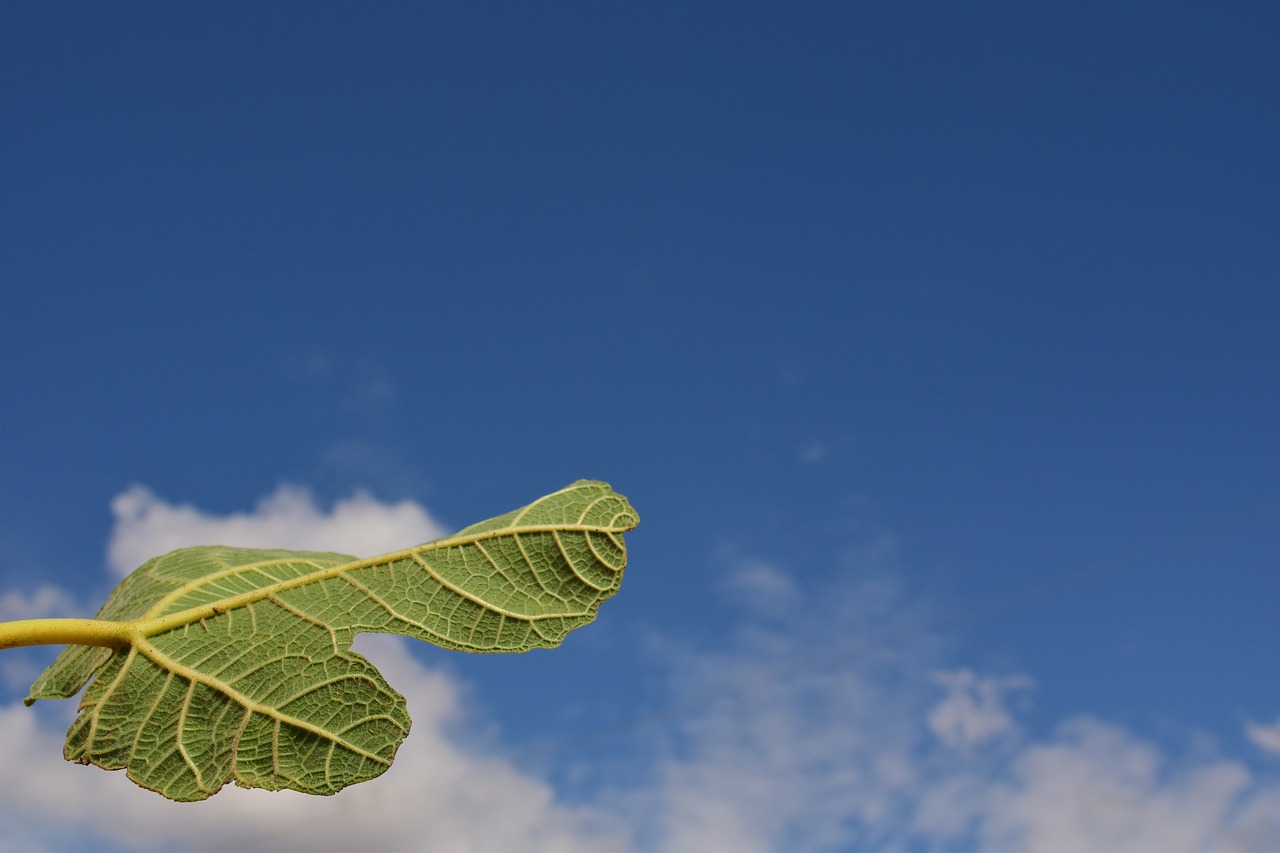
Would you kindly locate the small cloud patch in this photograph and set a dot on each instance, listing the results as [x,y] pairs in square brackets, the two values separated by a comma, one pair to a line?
[1266,738]
[973,711]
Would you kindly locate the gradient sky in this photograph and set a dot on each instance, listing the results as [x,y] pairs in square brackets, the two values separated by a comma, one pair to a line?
[937,346]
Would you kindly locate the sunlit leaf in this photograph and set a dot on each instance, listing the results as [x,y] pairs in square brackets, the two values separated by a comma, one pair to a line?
[239,665]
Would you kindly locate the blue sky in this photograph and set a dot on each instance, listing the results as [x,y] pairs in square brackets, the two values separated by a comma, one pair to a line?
[936,346]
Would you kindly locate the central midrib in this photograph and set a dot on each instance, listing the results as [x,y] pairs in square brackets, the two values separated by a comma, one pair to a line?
[158,625]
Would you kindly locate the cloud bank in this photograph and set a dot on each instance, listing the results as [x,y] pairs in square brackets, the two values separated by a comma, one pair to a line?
[843,730]
[837,732]
[437,795]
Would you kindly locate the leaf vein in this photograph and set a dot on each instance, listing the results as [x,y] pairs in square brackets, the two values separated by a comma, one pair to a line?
[573,567]
[160,659]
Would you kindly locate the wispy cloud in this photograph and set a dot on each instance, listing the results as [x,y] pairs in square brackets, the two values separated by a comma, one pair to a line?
[813,452]
[796,735]
[1266,738]
[761,587]
[837,730]
[973,711]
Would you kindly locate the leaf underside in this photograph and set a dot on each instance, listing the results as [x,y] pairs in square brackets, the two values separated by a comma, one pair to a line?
[241,668]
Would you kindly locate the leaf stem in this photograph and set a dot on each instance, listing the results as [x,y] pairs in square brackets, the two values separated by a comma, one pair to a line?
[85,632]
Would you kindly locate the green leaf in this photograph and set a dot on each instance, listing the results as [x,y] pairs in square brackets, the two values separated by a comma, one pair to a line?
[239,665]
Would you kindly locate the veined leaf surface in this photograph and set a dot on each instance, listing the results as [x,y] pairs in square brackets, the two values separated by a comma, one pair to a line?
[239,665]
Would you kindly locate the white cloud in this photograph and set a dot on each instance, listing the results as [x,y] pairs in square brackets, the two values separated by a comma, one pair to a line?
[437,795]
[791,737]
[1266,738]
[1097,787]
[147,526]
[827,734]
[973,710]
[761,587]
